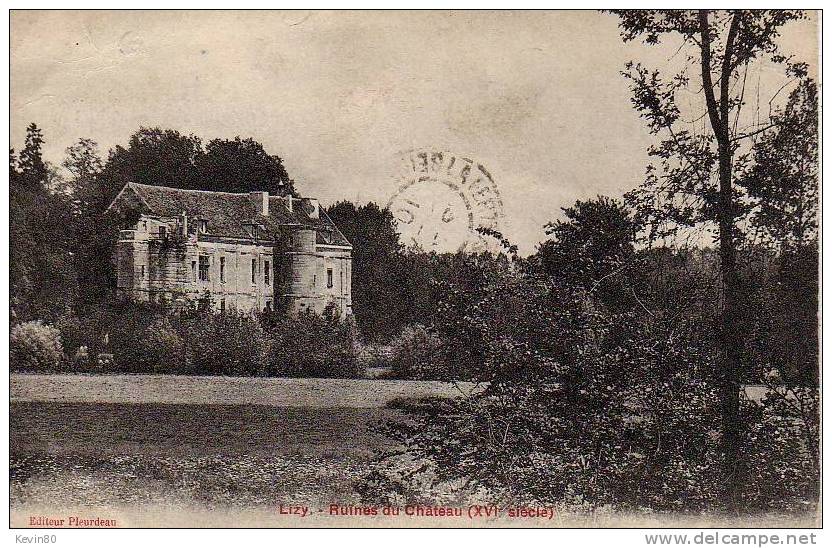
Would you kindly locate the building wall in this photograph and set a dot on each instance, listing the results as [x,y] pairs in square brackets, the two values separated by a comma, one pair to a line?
[236,274]
[153,268]
[306,270]
[339,263]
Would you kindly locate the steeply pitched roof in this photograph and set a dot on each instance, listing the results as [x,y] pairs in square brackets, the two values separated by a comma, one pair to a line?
[227,213]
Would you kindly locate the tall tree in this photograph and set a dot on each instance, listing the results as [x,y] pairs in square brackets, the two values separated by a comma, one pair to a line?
[378,267]
[154,156]
[33,170]
[84,164]
[95,232]
[42,277]
[19,237]
[782,181]
[696,179]
[241,165]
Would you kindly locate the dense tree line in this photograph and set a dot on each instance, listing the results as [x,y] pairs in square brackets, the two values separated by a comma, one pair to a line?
[42,277]
[601,379]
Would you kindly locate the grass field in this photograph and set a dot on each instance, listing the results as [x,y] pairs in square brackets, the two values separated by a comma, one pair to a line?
[114,454]
[213,451]
[181,389]
[109,441]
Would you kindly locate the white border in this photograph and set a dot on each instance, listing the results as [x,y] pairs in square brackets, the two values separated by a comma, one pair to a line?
[363,538]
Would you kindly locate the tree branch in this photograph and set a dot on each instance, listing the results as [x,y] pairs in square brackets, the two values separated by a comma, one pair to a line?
[725,78]
[707,78]
[745,135]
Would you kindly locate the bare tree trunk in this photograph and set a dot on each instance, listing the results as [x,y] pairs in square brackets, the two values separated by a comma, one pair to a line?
[730,338]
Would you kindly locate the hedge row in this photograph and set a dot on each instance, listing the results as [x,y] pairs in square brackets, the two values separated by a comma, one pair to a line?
[134,338]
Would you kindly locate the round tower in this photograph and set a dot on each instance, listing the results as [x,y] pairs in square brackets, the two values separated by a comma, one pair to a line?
[299,274]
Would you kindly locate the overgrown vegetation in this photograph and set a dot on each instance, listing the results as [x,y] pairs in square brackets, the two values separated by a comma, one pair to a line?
[417,354]
[616,361]
[35,347]
[146,338]
[602,389]
[312,346]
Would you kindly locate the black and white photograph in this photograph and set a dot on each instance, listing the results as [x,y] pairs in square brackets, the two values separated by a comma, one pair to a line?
[538,269]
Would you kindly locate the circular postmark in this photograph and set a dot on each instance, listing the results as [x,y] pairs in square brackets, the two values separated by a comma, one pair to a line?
[441,201]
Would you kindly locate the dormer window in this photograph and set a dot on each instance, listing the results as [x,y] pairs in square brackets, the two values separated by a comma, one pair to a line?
[203,227]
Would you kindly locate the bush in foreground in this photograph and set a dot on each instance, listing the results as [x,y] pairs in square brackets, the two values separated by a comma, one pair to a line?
[417,354]
[157,348]
[35,346]
[231,343]
[312,346]
[591,409]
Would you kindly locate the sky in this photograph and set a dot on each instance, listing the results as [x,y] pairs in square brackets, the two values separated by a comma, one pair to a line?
[536,98]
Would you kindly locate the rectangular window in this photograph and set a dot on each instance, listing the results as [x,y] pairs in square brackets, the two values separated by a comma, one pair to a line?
[203,268]
[142,273]
[163,231]
[222,269]
[266,272]
[222,305]
[329,277]
[268,306]
[203,227]
[193,270]
[253,271]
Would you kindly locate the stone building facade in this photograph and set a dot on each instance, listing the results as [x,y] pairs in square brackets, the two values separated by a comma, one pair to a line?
[249,252]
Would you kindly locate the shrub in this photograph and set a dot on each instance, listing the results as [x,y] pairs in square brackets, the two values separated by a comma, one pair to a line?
[164,347]
[374,356]
[35,346]
[156,348]
[76,339]
[129,332]
[313,346]
[782,450]
[417,354]
[231,343]
[582,407]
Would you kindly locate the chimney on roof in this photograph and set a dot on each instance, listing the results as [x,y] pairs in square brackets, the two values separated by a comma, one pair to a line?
[261,200]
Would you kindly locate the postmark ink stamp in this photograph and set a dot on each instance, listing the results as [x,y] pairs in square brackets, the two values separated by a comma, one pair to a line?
[442,199]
